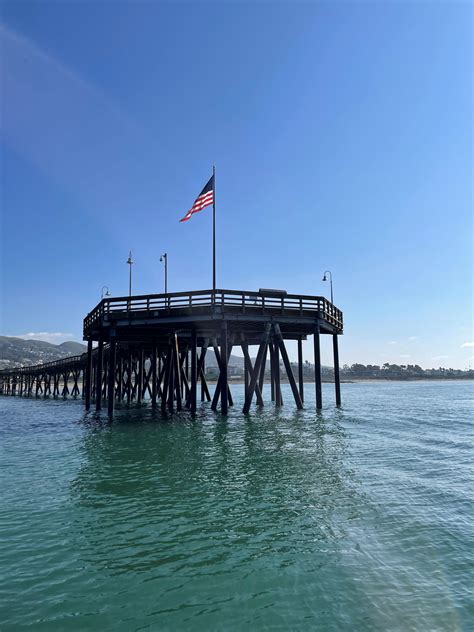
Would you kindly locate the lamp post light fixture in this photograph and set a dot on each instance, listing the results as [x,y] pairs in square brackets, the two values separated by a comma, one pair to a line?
[330,279]
[164,257]
[130,262]
[107,293]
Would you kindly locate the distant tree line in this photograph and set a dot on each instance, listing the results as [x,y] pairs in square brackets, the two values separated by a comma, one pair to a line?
[402,372]
[356,371]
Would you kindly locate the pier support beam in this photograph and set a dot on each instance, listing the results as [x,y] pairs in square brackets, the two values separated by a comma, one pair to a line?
[129,377]
[272,371]
[177,372]
[154,386]
[111,377]
[202,374]
[218,389]
[261,378]
[171,377]
[119,375]
[337,380]
[194,376]
[256,373]
[166,375]
[141,371]
[224,377]
[300,368]
[248,372]
[317,369]
[98,375]
[205,395]
[276,371]
[286,362]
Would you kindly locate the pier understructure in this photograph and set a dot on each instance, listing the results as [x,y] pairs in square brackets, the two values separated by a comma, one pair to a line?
[153,347]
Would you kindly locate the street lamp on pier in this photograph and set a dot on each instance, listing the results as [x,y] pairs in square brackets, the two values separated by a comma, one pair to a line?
[130,262]
[164,257]
[330,279]
[107,293]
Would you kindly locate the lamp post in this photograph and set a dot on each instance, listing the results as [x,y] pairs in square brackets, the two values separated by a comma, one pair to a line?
[107,293]
[164,257]
[130,262]
[330,279]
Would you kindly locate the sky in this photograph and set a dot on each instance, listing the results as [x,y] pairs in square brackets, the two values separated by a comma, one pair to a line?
[342,134]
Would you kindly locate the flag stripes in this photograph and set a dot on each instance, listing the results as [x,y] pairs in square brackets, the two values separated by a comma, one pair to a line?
[205,198]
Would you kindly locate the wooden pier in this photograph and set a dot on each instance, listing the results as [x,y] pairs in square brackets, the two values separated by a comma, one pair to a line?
[154,347]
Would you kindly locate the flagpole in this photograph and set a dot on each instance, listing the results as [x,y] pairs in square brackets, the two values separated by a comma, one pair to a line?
[214,229]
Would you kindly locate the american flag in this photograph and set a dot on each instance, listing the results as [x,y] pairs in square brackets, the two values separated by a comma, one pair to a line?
[205,198]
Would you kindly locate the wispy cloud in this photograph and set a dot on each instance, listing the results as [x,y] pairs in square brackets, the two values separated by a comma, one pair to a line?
[440,357]
[405,355]
[47,103]
[55,337]
[467,344]
[392,342]
[412,338]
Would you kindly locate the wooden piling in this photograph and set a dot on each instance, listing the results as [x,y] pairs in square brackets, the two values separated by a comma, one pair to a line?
[111,377]
[337,380]
[154,367]
[277,378]
[300,368]
[224,380]
[317,369]
[193,380]
[98,375]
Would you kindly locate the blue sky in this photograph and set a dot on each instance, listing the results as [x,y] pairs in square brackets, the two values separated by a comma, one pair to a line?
[342,135]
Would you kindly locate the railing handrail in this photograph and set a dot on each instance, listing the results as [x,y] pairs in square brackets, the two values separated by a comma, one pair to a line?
[256,293]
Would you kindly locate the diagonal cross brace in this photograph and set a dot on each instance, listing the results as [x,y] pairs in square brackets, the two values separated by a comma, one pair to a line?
[256,369]
[286,362]
[245,349]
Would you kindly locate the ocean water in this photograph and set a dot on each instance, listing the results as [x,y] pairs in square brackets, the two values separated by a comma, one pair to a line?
[359,518]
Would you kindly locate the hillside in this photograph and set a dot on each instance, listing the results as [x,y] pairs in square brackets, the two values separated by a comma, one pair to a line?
[19,352]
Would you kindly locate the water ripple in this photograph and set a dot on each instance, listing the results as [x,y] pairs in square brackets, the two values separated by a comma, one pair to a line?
[350,519]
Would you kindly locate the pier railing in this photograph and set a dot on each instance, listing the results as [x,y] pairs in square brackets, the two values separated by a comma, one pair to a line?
[233,300]
[63,363]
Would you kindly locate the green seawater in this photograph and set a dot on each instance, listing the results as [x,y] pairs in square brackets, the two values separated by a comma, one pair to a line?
[359,518]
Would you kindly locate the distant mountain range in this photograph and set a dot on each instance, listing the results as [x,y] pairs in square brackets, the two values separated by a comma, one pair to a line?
[20,352]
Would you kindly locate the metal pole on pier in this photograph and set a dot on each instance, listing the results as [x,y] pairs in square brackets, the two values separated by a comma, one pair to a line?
[214,229]
[330,279]
[164,257]
[130,262]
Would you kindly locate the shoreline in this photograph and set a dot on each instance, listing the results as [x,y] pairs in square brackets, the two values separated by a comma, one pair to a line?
[362,379]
